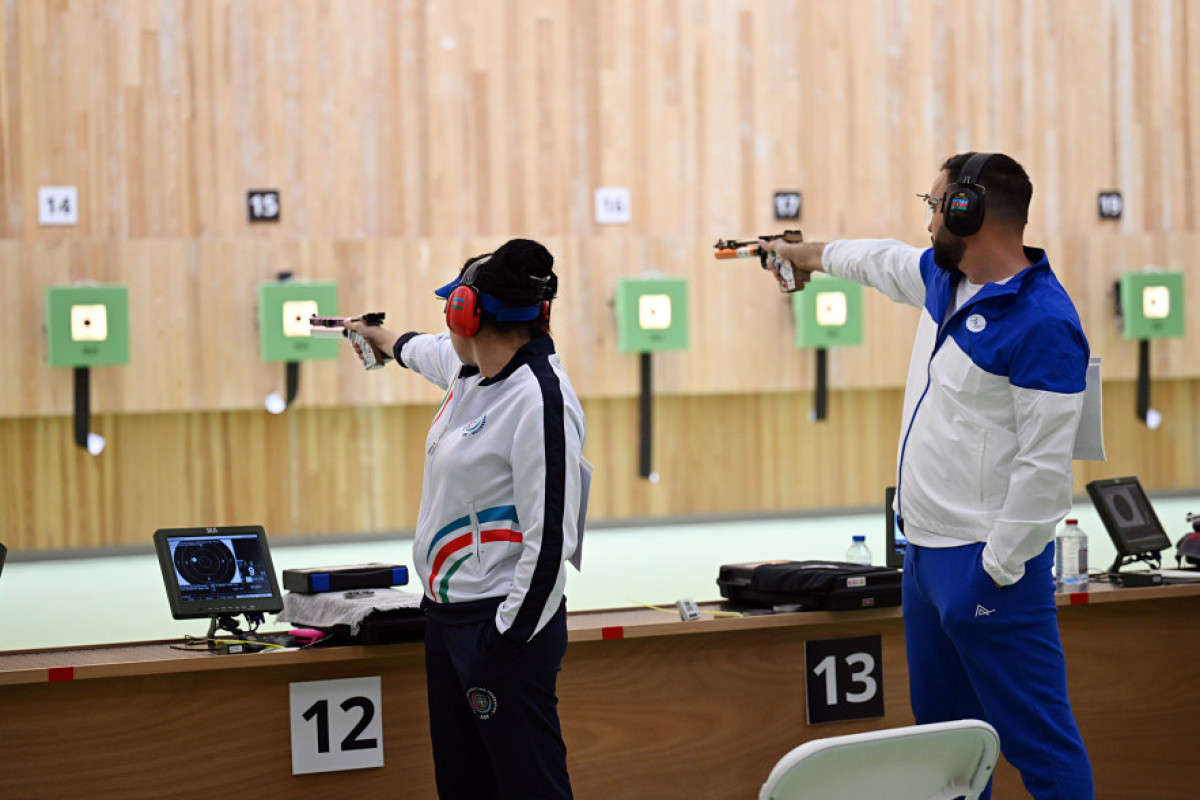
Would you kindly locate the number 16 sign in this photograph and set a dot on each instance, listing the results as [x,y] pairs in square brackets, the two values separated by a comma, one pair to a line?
[336,725]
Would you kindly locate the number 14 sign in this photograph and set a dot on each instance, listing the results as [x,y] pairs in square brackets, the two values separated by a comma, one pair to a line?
[336,725]
[843,678]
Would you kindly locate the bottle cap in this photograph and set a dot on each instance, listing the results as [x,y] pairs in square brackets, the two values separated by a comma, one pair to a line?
[859,538]
[1072,522]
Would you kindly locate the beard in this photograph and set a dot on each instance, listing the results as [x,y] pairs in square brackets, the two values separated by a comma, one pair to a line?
[948,251]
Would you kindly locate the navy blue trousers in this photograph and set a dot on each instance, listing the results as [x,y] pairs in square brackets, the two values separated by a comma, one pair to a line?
[976,651]
[493,707]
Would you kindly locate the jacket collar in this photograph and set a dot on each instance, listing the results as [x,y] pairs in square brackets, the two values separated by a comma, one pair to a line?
[536,349]
[1038,263]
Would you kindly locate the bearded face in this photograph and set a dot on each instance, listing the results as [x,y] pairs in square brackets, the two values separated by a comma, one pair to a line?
[948,250]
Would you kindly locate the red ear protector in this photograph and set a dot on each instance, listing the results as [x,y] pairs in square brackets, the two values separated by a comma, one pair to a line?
[962,209]
[465,305]
[462,306]
[462,311]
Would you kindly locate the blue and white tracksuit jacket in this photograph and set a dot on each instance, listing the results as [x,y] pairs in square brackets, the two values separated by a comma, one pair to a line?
[991,408]
[501,493]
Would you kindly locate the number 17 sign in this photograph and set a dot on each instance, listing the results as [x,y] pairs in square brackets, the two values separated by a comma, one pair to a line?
[336,725]
[844,679]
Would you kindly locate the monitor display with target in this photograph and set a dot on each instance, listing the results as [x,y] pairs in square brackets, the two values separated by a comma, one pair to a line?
[212,572]
[1129,517]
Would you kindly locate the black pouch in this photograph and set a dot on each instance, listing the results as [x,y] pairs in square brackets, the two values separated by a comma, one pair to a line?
[813,585]
[381,627]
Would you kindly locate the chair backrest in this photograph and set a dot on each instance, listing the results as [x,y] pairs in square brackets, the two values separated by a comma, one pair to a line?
[937,761]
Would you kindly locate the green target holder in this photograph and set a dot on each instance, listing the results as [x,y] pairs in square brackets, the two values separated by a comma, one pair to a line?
[1149,305]
[87,325]
[652,316]
[284,308]
[829,313]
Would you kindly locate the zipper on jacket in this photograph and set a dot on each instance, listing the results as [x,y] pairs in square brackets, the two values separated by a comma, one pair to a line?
[938,341]
[904,444]
[476,534]
[450,413]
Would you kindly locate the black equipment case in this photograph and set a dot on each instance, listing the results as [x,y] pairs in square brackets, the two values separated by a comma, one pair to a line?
[313,580]
[382,627]
[813,585]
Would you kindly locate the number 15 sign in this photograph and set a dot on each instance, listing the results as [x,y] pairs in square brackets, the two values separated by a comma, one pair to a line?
[336,725]
[844,678]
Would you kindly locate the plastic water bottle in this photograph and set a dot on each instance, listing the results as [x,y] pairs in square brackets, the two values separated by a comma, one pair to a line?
[858,552]
[1070,557]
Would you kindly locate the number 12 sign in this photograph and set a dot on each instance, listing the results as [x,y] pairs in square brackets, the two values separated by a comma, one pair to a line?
[336,725]
[843,679]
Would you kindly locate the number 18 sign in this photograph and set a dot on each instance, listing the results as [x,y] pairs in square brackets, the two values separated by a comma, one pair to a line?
[336,725]
[844,679]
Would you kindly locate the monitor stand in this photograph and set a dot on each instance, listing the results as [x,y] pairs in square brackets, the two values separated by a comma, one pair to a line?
[1153,558]
[223,622]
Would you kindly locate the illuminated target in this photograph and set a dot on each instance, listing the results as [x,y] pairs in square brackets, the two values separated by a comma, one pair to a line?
[1156,302]
[296,314]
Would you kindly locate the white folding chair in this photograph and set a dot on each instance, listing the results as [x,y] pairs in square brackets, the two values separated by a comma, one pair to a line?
[937,761]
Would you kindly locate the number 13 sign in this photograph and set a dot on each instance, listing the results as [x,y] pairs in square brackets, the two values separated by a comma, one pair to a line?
[844,678]
[336,725]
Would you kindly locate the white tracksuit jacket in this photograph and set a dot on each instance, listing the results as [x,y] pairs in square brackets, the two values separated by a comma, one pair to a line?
[501,493]
[991,406]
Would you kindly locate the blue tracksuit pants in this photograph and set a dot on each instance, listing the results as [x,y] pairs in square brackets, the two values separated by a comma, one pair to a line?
[493,708]
[979,651]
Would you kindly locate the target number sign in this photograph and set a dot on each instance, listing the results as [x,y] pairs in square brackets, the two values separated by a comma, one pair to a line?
[263,205]
[613,205]
[336,725]
[843,679]
[1110,205]
[787,205]
[58,205]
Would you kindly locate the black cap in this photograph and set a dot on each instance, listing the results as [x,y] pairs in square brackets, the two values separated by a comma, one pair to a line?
[519,273]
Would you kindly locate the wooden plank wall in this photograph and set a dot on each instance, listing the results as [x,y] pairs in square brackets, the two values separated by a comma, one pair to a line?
[406,136]
[344,470]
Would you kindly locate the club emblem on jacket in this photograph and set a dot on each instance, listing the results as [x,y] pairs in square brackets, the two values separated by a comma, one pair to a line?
[474,426]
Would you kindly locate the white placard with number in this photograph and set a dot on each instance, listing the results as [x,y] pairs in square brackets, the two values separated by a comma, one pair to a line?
[613,205]
[58,205]
[336,725]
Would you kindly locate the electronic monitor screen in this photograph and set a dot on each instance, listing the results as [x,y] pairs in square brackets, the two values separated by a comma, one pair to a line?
[1128,516]
[895,544]
[212,572]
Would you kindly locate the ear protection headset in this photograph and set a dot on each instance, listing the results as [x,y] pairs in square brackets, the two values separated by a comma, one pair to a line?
[962,209]
[466,303]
